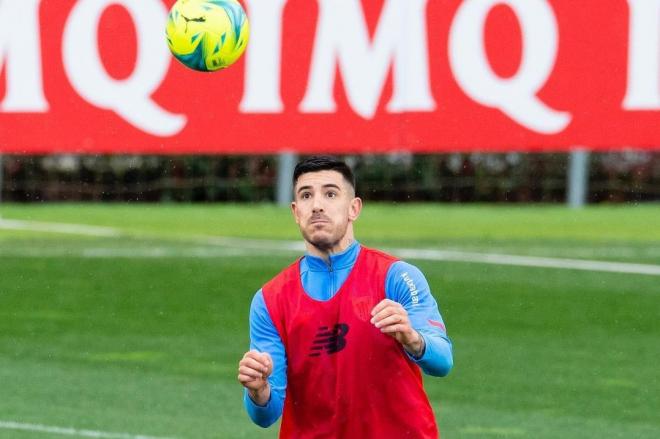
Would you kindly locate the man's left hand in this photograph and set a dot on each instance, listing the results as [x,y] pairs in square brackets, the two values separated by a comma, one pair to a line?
[392,319]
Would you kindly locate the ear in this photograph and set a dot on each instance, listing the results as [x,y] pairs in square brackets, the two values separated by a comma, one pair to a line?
[354,209]
[294,211]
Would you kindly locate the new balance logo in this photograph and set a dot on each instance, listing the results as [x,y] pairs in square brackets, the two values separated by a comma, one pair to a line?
[329,340]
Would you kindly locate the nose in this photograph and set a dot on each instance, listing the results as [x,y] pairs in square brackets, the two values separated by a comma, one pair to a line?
[317,205]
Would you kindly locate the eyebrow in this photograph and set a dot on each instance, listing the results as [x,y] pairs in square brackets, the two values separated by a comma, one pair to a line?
[329,185]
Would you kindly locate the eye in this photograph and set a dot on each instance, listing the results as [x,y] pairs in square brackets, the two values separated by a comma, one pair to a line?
[305,195]
[331,194]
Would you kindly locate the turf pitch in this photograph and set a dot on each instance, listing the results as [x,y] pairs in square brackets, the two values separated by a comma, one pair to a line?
[140,333]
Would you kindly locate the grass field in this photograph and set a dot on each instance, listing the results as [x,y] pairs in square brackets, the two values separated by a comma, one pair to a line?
[139,332]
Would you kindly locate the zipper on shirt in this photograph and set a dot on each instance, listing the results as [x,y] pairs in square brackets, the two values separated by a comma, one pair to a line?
[331,272]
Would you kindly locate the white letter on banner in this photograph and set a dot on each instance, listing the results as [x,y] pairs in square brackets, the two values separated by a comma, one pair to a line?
[644,56]
[342,37]
[515,96]
[129,98]
[263,63]
[20,45]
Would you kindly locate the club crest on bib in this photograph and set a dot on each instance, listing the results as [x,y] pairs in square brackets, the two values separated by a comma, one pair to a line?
[362,306]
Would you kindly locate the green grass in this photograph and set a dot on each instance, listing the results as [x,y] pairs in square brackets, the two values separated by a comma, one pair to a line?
[150,345]
[403,222]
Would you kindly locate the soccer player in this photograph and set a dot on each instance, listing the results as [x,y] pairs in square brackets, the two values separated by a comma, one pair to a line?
[338,338]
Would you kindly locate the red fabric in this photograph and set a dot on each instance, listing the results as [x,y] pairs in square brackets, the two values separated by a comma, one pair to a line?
[368,388]
[589,79]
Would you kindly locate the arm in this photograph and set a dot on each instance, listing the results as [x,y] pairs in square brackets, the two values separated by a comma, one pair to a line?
[267,405]
[406,285]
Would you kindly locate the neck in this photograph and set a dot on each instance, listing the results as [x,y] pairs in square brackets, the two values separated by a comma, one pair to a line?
[339,247]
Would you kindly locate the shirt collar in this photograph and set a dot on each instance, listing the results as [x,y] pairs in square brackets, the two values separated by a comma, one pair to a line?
[337,261]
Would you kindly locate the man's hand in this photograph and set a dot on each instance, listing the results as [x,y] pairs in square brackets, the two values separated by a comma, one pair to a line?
[253,372]
[392,319]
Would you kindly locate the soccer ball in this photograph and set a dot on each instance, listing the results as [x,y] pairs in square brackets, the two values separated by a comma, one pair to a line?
[207,35]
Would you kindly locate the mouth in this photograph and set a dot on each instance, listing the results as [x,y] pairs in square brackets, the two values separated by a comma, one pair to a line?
[315,221]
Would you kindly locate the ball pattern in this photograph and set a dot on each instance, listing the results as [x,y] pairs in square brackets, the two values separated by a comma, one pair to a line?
[207,35]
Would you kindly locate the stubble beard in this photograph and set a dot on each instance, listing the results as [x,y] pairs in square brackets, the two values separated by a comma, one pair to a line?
[325,243]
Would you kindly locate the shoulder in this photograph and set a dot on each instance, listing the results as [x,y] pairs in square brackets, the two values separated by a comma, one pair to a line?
[406,283]
[404,270]
[378,255]
[376,261]
[282,279]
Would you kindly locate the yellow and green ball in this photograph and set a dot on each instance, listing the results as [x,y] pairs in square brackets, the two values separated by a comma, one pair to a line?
[207,35]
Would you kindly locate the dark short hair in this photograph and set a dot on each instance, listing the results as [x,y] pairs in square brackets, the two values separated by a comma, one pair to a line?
[323,163]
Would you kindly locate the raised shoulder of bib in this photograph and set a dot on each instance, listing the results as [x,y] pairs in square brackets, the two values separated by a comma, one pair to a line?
[282,280]
[376,261]
[383,257]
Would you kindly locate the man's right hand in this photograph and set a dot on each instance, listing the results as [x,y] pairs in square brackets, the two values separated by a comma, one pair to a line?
[253,372]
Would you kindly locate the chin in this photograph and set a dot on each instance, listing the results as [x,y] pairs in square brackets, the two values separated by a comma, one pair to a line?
[321,241]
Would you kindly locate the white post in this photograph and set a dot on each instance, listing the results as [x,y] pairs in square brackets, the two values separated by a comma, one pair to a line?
[578,178]
[287,163]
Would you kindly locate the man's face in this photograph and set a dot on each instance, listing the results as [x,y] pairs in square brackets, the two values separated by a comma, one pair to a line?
[324,206]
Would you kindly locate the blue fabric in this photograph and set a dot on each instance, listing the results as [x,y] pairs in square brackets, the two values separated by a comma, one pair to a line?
[321,280]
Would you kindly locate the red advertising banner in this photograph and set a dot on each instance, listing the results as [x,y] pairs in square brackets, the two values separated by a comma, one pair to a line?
[95,76]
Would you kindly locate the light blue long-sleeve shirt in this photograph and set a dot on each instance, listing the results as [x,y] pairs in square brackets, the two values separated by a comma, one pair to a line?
[321,280]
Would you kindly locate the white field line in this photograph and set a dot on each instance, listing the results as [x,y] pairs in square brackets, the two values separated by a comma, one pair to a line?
[11,425]
[447,255]
[526,261]
[250,246]
[73,229]
[253,244]
[135,253]
[165,252]
[159,252]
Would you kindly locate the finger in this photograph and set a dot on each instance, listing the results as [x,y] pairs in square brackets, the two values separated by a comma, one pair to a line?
[245,379]
[265,359]
[244,370]
[253,354]
[381,305]
[266,363]
[391,329]
[258,361]
[391,320]
[387,312]
[254,364]
[250,370]
[269,364]
[262,357]
[250,383]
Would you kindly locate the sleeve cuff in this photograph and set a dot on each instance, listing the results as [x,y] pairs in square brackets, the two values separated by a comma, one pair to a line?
[419,358]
